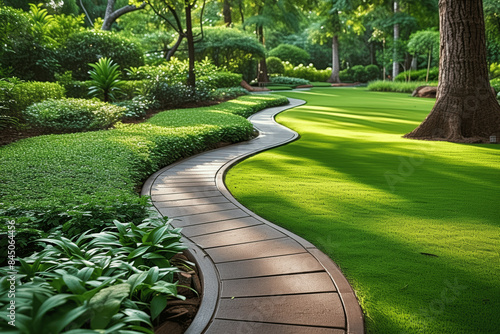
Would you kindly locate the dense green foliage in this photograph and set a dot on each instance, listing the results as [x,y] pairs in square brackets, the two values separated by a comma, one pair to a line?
[119,279]
[221,80]
[16,96]
[275,66]
[85,180]
[419,75]
[289,81]
[290,53]
[88,46]
[73,115]
[390,211]
[307,72]
[231,48]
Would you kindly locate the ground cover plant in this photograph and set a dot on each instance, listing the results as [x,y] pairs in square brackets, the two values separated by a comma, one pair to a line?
[412,224]
[86,180]
[118,280]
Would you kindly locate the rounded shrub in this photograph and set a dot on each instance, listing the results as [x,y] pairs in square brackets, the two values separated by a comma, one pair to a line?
[372,72]
[89,46]
[291,53]
[221,80]
[275,66]
[289,81]
[73,114]
[359,73]
[346,75]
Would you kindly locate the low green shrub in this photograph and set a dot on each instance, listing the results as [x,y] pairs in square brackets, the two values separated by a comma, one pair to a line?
[418,75]
[495,83]
[16,96]
[372,73]
[167,96]
[290,53]
[399,87]
[73,114]
[228,93]
[346,75]
[106,82]
[85,180]
[137,107]
[275,66]
[289,81]
[220,80]
[307,72]
[116,280]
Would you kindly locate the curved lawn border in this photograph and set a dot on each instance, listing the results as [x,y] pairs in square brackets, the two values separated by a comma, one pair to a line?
[211,296]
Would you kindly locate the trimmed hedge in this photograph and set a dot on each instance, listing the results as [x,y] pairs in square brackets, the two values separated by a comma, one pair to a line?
[220,80]
[73,114]
[290,53]
[398,87]
[289,81]
[88,179]
[275,66]
[307,72]
[17,96]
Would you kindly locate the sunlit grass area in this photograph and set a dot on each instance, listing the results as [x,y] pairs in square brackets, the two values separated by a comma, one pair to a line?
[414,225]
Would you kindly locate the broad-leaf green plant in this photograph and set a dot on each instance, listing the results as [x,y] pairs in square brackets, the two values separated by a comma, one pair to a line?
[105,79]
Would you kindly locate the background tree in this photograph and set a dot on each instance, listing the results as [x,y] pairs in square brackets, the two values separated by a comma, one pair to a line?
[424,41]
[112,14]
[466,109]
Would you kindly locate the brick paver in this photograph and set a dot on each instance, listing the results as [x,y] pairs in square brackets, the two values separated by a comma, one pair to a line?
[257,277]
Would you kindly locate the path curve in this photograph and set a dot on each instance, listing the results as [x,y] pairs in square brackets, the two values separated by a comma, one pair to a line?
[257,277]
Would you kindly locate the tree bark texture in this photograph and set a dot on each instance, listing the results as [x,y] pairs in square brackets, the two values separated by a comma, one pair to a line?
[395,62]
[226,11]
[174,48]
[466,109]
[334,78]
[111,15]
[191,81]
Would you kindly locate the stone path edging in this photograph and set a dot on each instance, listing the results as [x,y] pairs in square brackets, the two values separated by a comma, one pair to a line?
[257,276]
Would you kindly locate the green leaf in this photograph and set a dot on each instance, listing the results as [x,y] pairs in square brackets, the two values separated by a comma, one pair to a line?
[106,303]
[138,252]
[74,284]
[158,304]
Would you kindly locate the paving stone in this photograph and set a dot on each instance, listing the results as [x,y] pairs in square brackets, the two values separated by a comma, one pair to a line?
[319,309]
[180,190]
[185,184]
[243,235]
[173,197]
[278,285]
[255,250]
[225,225]
[220,326]
[196,201]
[191,210]
[211,217]
[277,265]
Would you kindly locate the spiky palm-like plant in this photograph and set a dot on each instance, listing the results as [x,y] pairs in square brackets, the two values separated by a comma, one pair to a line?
[105,79]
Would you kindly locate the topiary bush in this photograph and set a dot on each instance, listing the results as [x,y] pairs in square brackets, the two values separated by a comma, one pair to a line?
[73,114]
[307,72]
[291,53]
[275,66]
[88,46]
[167,95]
[346,75]
[359,73]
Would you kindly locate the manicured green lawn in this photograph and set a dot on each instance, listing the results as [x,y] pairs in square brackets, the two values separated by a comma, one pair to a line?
[414,225]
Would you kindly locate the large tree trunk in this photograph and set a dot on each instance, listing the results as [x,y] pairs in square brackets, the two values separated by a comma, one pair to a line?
[334,78]
[226,11]
[111,15]
[466,109]
[191,81]
[395,61]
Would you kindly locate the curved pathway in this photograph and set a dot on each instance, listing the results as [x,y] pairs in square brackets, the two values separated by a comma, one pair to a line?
[257,277]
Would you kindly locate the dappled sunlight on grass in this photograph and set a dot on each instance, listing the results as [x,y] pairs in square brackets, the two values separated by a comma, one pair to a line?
[402,218]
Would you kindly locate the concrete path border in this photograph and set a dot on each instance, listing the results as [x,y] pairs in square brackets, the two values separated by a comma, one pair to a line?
[257,277]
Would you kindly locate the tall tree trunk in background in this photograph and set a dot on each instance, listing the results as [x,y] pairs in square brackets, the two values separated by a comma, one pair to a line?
[334,78]
[262,68]
[466,109]
[226,11]
[395,63]
[111,15]
[191,81]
